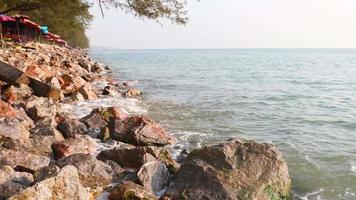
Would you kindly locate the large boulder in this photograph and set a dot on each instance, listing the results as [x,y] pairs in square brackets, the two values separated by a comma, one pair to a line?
[79,144]
[131,159]
[154,176]
[40,107]
[23,159]
[12,182]
[139,130]
[233,170]
[71,127]
[130,191]
[66,185]
[45,173]
[92,172]
[98,119]
[71,83]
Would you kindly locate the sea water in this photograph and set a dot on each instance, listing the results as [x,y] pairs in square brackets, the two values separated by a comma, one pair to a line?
[301,100]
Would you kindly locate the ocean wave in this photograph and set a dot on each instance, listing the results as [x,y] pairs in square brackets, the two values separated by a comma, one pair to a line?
[130,105]
[310,195]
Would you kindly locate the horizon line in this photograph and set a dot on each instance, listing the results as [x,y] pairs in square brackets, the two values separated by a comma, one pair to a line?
[226,48]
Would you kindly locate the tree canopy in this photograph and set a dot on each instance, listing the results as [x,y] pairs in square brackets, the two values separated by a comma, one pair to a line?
[70,18]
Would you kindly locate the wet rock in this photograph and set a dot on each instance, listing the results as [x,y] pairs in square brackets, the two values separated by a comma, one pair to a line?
[92,172]
[127,176]
[71,127]
[111,91]
[6,110]
[23,159]
[129,190]
[88,92]
[133,92]
[97,121]
[94,120]
[79,144]
[154,176]
[182,156]
[129,159]
[96,68]
[112,112]
[66,185]
[45,173]
[12,182]
[232,170]
[164,155]
[77,97]
[139,130]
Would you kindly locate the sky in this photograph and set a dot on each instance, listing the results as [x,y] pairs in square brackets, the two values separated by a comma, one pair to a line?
[234,24]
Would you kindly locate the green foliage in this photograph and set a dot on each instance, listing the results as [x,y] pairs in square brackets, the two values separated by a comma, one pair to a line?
[68,18]
[152,9]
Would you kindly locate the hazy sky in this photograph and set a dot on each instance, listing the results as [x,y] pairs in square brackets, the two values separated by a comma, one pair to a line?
[235,24]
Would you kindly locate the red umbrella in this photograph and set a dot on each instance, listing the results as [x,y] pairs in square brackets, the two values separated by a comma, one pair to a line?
[5,18]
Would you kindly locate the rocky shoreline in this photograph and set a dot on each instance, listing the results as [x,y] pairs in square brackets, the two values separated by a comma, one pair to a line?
[46,152]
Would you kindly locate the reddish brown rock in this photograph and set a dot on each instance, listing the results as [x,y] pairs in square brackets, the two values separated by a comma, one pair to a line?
[139,130]
[6,110]
[71,83]
[130,159]
[233,170]
[88,92]
[79,144]
[94,120]
[22,158]
[71,127]
[60,150]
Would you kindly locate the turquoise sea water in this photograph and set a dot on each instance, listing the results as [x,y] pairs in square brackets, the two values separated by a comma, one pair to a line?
[301,100]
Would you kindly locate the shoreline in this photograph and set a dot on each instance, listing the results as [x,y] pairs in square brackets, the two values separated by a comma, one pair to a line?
[70,142]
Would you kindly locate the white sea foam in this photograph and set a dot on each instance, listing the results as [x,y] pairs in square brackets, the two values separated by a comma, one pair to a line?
[130,105]
[184,141]
[315,195]
[353,167]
